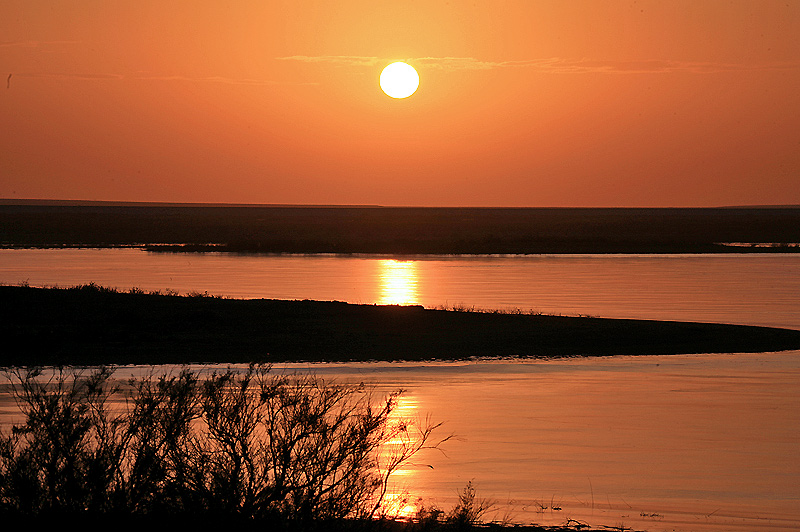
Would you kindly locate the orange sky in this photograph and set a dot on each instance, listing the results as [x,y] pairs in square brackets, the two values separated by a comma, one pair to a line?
[521,103]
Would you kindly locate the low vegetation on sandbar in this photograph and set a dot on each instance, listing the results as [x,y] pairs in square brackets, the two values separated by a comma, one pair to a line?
[92,325]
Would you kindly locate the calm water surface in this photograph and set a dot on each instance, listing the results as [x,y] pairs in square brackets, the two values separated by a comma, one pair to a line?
[696,442]
[748,289]
[699,442]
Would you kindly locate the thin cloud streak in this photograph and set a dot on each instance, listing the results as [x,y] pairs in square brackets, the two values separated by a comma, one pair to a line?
[208,79]
[218,79]
[345,60]
[33,44]
[88,76]
[554,65]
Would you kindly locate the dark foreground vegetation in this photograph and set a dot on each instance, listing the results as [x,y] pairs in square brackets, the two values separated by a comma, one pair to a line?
[291,451]
[234,450]
[400,230]
[91,325]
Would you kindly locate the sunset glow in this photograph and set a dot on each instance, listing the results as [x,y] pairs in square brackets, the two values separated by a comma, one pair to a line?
[415,265]
[645,103]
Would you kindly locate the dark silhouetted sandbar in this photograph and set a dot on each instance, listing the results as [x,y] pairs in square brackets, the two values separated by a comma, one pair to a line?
[91,325]
[400,230]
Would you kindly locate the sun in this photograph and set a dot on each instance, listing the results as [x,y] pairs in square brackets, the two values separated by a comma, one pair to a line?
[399,80]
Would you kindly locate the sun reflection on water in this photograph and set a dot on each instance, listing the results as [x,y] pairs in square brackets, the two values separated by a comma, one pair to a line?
[398,502]
[398,281]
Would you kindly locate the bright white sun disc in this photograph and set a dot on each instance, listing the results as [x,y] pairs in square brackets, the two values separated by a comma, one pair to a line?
[399,80]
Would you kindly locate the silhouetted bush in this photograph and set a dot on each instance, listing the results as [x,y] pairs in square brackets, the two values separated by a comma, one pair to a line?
[251,445]
[469,510]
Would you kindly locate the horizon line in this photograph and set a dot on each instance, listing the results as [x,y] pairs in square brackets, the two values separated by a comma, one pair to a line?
[112,203]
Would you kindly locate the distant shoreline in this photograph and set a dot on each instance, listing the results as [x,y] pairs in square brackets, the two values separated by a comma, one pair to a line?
[91,325]
[112,203]
[754,248]
[401,230]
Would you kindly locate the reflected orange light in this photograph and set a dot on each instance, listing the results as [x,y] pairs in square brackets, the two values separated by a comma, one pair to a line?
[398,502]
[399,506]
[398,280]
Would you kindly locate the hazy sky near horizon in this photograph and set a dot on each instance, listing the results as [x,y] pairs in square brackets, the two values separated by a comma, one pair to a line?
[521,103]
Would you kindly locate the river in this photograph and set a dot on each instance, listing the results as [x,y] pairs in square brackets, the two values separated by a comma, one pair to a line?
[685,443]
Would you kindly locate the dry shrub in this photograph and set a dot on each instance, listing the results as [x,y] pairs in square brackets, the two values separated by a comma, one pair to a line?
[252,445]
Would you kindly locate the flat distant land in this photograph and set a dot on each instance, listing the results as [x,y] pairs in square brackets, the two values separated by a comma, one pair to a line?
[91,325]
[398,230]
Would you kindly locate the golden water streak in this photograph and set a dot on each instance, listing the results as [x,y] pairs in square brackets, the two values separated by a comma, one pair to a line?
[398,282]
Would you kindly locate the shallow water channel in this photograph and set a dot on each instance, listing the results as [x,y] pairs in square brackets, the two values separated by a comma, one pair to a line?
[751,289]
